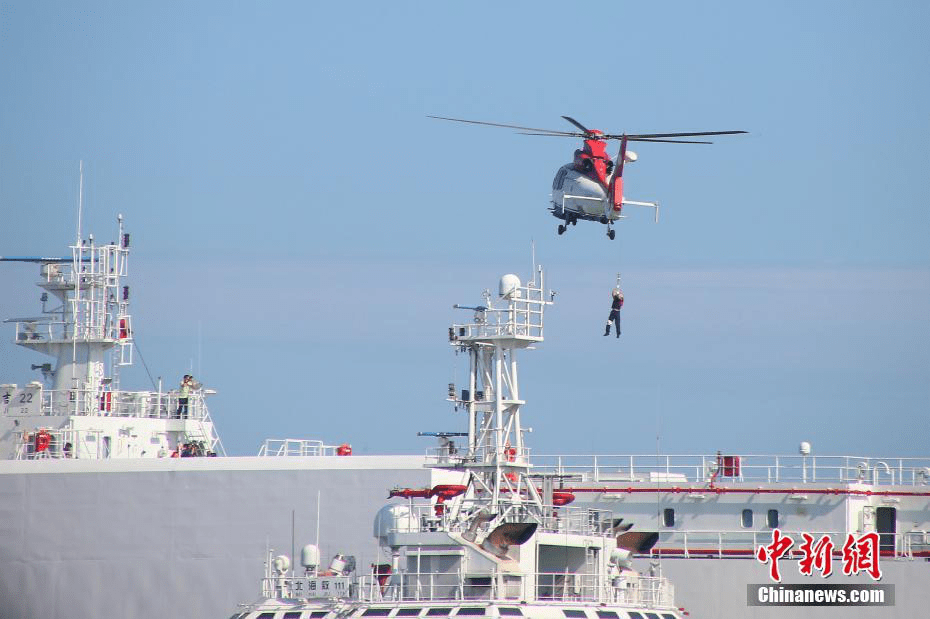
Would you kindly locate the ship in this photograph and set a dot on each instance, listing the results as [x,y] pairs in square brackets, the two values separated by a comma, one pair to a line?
[120,501]
[503,541]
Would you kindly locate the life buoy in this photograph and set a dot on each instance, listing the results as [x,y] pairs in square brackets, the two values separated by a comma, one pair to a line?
[43,440]
[344,450]
[511,452]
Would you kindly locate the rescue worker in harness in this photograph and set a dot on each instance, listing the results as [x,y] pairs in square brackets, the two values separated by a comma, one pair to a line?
[615,311]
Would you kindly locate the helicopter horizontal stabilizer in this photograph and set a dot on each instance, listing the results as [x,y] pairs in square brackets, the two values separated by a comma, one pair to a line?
[654,205]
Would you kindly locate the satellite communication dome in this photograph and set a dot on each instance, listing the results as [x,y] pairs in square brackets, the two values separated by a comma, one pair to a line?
[621,557]
[281,564]
[510,286]
[310,556]
[805,448]
[393,518]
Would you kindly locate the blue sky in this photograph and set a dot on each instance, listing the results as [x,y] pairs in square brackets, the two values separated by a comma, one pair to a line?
[301,229]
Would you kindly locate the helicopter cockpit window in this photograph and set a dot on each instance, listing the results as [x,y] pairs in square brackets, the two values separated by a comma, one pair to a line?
[559,179]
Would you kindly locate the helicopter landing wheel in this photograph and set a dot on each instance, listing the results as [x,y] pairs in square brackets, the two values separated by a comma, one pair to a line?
[574,221]
[611,234]
[561,229]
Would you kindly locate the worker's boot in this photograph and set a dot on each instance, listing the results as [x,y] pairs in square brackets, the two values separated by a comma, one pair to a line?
[607,329]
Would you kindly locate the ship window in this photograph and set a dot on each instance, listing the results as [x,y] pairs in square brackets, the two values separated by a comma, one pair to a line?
[470,612]
[746,519]
[652,615]
[606,614]
[408,612]
[318,613]
[667,616]
[292,615]
[771,519]
[438,612]
[668,517]
[635,615]
[574,614]
[377,612]
[509,612]
[266,616]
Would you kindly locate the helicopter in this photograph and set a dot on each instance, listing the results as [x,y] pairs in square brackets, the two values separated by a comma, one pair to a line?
[591,186]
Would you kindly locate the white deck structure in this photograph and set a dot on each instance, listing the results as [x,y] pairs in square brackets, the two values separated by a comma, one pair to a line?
[501,542]
[79,410]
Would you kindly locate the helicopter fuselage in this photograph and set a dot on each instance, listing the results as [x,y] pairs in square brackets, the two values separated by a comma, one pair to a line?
[576,195]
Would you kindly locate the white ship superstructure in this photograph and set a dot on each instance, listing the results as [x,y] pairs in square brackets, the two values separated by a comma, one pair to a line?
[502,542]
[95,509]
[79,409]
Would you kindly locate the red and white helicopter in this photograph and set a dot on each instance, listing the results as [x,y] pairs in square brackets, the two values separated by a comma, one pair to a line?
[591,186]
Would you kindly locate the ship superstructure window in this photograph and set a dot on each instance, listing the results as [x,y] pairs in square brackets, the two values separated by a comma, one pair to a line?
[377,612]
[668,517]
[607,614]
[408,612]
[509,612]
[746,519]
[635,615]
[667,616]
[652,616]
[771,519]
[292,615]
[318,613]
[438,612]
[470,612]
[266,616]
[574,614]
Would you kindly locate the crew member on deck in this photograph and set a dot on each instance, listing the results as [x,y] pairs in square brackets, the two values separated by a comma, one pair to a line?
[615,312]
[183,396]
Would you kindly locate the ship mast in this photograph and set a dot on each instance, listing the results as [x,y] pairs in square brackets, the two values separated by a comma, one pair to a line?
[496,456]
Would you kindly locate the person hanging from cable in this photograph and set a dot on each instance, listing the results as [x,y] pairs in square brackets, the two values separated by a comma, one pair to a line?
[615,311]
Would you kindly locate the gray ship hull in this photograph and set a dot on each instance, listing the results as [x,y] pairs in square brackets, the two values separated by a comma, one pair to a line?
[179,537]
[187,537]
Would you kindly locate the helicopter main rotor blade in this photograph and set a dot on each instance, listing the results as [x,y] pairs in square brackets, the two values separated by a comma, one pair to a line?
[556,135]
[577,124]
[479,122]
[673,135]
[661,140]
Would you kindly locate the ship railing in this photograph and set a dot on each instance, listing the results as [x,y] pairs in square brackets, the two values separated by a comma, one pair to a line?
[104,403]
[558,519]
[64,443]
[456,455]
[703,468]
[296,447]
[521,316]
[744,544]
[42,331]
[627,587]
